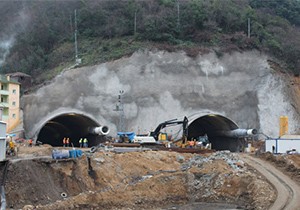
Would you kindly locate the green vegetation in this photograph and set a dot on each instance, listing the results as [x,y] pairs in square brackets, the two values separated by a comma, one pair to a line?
[43,31]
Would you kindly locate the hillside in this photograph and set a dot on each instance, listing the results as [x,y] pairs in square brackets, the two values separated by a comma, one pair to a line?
[38,36]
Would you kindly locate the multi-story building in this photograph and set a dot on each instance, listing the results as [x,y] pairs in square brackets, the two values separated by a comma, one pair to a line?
[9,102]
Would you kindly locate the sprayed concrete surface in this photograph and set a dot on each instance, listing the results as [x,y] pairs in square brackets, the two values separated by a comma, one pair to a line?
[159,86]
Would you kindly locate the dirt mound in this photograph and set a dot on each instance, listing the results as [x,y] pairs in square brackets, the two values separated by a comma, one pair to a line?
[135,180]
[289,164]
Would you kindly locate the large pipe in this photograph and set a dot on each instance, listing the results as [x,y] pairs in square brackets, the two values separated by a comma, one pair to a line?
[238,133]
[102,130]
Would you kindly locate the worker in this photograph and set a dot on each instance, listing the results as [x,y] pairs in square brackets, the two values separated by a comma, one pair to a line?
[80,142]
[85,142]
[64,142]
[11,145]
[191,143]
[30,142]
[67,142]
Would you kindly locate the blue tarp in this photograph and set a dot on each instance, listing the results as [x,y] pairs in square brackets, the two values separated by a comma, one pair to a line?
[130,135]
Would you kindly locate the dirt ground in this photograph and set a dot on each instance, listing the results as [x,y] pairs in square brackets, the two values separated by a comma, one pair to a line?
[288,164]
[133,180]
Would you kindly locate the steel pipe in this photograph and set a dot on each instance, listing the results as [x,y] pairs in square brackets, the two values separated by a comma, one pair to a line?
[102,130]
[238,133]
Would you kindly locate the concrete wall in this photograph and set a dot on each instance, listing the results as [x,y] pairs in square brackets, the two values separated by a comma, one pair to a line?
[160,86]
[14,106]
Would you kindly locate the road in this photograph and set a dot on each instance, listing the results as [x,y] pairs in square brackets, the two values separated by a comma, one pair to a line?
[288,192]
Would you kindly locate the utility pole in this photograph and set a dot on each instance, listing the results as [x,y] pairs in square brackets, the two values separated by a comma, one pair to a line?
[134,22]
[77,60]
[178,16]
[120,108]
[249,28]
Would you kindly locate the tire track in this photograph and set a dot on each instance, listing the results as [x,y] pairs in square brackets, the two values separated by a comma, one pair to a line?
[287,190]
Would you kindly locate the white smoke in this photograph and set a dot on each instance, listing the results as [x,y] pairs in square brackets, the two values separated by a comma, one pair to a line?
[5,46]
[18,24]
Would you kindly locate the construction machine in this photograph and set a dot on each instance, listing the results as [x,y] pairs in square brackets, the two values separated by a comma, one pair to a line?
[153,136]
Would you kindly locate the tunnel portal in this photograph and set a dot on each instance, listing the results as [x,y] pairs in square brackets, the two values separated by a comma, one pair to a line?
[70,125]
[76,126]
[214,125]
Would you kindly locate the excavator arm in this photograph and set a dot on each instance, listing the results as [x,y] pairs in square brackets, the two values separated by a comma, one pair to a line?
[184,122]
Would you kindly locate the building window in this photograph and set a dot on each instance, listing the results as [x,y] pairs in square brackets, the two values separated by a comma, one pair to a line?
[2,99]
[14,91]
[14,103]
[2,87]
[14,116]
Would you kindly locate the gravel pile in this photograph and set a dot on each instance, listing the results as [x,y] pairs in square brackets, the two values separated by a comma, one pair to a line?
[231,158]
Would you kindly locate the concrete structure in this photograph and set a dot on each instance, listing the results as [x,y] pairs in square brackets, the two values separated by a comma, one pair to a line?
[159,86]
[2,140]
[283,144]
[24,79]
[9,102]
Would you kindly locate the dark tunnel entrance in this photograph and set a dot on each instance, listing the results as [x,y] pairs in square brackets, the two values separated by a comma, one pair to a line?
[214,126]
[71,125]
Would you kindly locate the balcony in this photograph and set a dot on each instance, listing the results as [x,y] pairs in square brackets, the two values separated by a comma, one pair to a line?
[4,92]
[5,117]
[4,104]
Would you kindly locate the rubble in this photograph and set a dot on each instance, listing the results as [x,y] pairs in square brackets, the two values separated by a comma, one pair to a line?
[136,180]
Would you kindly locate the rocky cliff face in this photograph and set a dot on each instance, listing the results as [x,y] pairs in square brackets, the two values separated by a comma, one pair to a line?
[159,86]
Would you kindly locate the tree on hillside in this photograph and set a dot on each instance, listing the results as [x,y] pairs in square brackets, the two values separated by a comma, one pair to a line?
[288,9]
[223,24]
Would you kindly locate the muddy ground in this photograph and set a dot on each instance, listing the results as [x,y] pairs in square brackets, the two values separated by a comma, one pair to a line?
[135,180]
